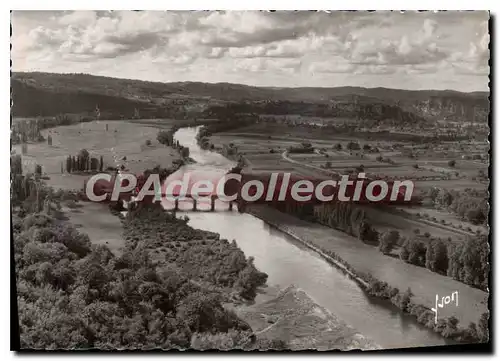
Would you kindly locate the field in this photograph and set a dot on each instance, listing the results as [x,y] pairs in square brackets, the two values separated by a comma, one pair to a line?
[385,220]
[448,218]
[101,226]
[123,139]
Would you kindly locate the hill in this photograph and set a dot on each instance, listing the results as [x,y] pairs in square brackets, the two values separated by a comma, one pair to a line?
[45,94]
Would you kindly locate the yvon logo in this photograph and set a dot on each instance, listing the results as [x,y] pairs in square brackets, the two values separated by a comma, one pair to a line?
[444,302]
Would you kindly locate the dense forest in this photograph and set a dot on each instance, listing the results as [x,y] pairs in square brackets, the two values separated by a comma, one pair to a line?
[369,109]
[74,294]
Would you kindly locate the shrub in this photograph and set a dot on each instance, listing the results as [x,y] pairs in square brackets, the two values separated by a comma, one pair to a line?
[387,241]
[404,252]
[417,252]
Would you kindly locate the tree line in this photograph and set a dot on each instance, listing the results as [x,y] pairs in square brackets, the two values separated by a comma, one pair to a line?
[469,204]
[83,162]
[465,261]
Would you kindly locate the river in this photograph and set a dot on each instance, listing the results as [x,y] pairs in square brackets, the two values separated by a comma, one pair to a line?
[287,262]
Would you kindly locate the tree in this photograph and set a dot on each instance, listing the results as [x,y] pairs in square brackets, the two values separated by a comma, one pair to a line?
[452,163]
[388,240]
[185,152]
[483,330]
[474,258]
[477,215]
[406,299]
[83,157]
[404,253]
[436,257]
[148,142]
[451,327]
[69,164]
[38,169]
[472,334]
[338,146]
[16,165]
[417,254]
[353,146]
[367,234]
[165,137]
[94,164]
[443,198]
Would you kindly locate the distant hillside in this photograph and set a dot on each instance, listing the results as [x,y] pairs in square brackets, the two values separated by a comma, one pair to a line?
[30,101]
[50,94]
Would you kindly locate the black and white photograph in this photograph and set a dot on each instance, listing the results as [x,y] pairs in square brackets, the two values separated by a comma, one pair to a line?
[250,180]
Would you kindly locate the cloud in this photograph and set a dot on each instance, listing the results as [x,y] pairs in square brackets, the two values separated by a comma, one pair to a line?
[265,65]
[475,60]
[375,70]
[331,67]
[257,47]
[417,48]
[110,35]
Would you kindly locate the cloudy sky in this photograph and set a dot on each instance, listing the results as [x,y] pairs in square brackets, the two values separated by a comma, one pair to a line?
[446,50]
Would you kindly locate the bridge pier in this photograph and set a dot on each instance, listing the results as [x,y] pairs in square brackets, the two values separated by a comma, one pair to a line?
[212,204]
[176,204]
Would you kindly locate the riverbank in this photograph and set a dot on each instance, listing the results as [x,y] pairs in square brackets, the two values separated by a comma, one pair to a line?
[296,318]
[365,264]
